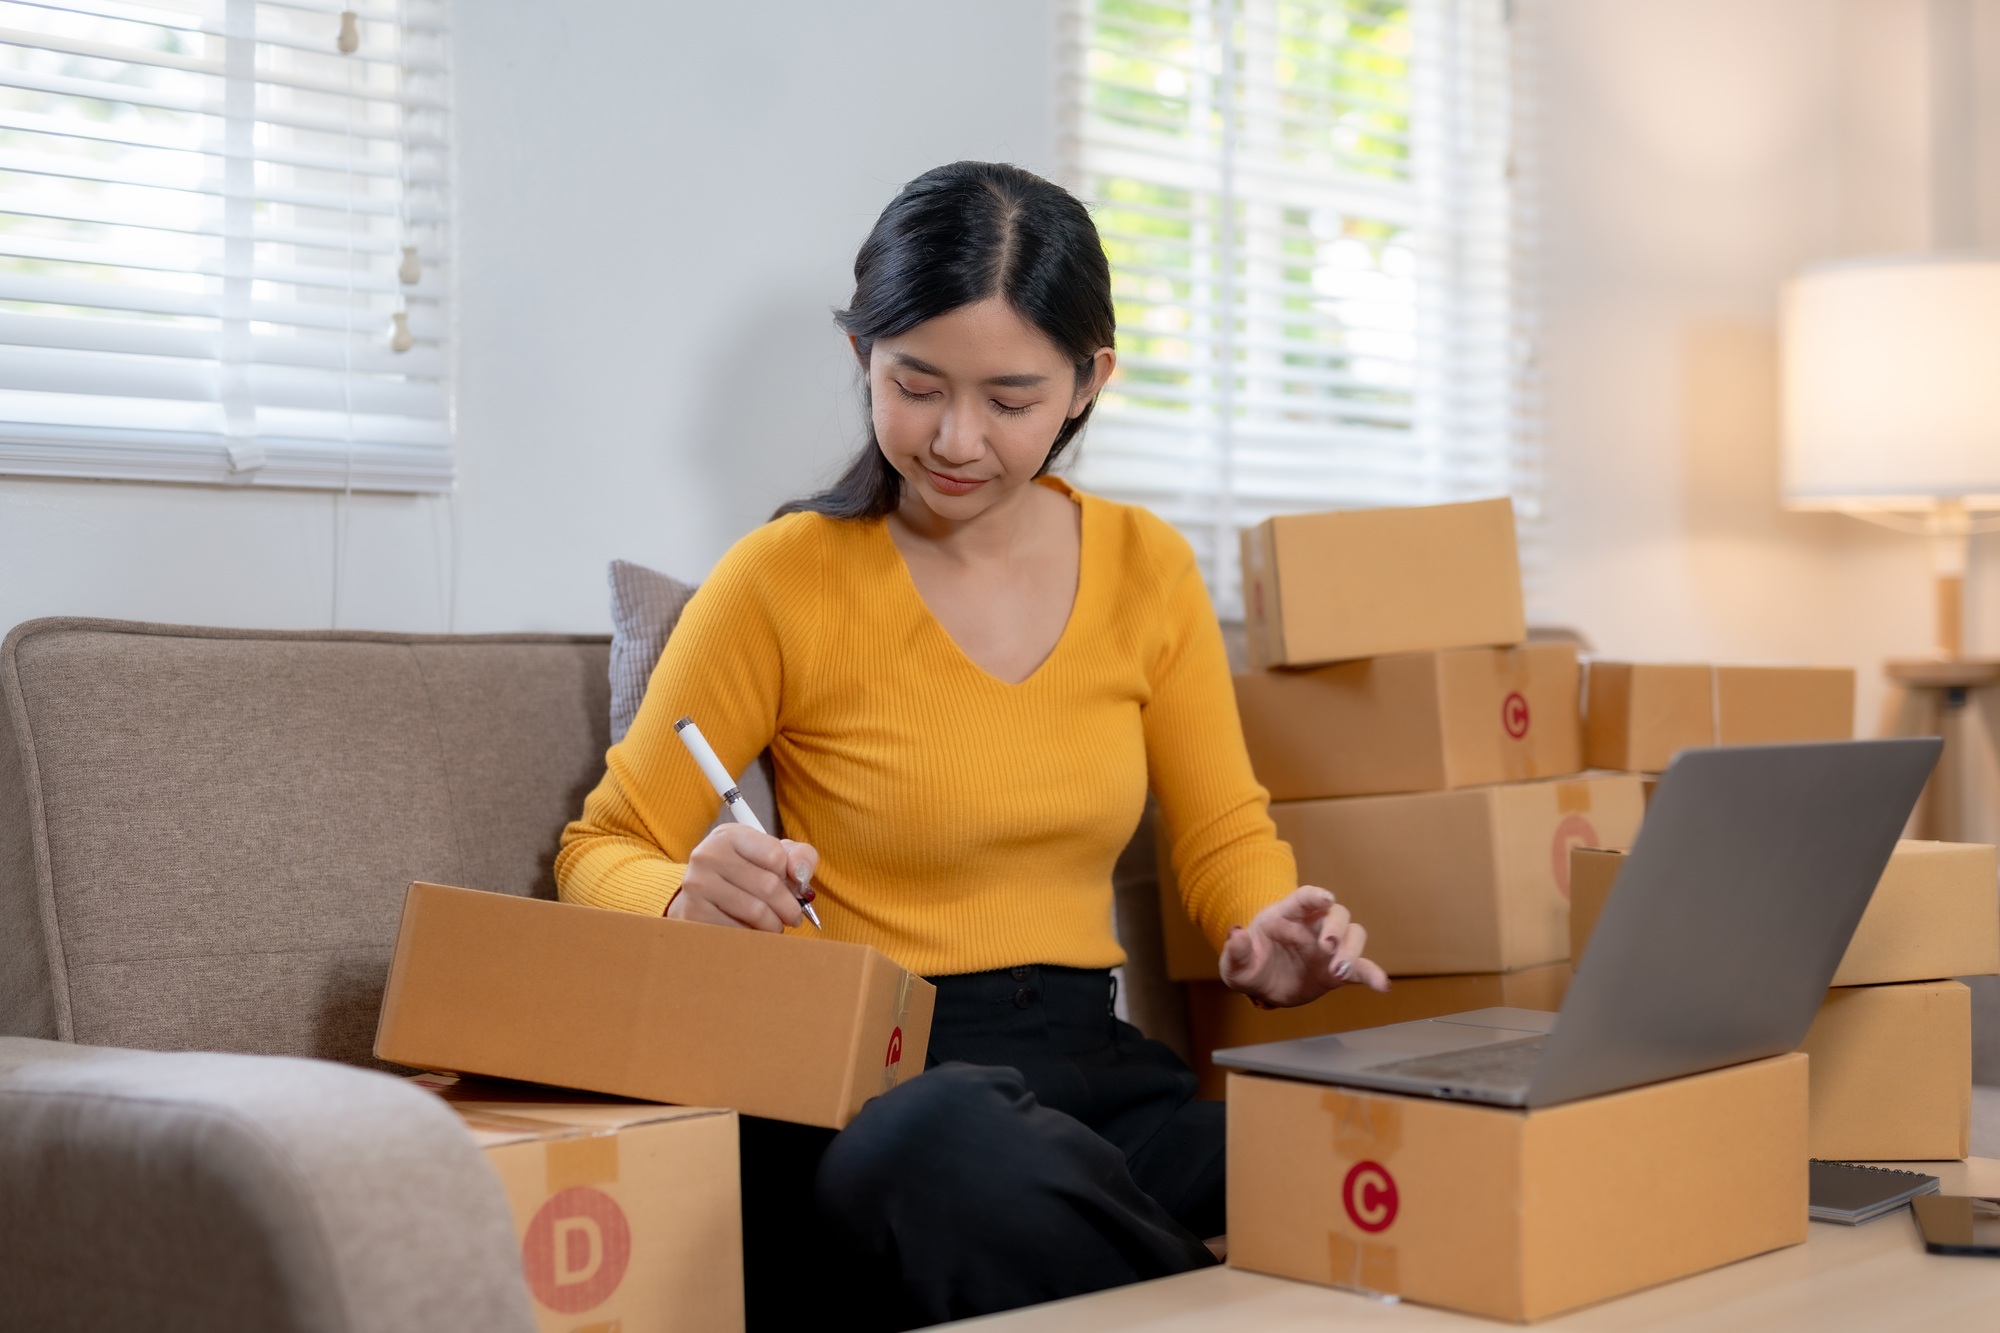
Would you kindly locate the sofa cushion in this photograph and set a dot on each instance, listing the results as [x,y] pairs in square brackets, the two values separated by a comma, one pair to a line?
[645,607]
[208,833]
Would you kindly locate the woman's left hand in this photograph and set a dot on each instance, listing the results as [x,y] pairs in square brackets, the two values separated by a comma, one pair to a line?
[1298,949]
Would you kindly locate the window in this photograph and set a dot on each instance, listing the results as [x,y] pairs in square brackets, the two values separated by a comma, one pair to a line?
[1315,248]
[223,240]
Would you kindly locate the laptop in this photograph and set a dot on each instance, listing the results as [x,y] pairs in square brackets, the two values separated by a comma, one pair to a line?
[1716,945]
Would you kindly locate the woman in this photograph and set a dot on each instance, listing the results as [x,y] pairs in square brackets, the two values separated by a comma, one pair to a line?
[968,675]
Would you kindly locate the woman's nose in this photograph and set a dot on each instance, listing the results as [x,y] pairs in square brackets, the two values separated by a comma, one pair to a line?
[958,439]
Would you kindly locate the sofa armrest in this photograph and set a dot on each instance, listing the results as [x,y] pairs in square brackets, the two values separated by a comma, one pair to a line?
[221,1192]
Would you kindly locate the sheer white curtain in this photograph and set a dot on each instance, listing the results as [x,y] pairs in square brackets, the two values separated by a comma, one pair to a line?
[224,237]
[1318,235]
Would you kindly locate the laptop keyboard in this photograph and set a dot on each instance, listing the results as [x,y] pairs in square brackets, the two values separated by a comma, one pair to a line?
[1504,1064]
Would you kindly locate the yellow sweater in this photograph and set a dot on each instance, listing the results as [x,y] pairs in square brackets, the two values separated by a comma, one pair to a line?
[962,823]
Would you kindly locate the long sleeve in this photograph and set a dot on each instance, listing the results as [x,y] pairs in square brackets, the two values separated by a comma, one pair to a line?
[962,822]
[725,666]
[1226,851]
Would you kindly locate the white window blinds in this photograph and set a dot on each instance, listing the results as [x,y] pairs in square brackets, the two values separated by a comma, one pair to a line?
[1316,252]
[223,238]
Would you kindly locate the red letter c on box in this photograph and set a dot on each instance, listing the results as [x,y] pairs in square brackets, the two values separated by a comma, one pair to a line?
[1369,1195]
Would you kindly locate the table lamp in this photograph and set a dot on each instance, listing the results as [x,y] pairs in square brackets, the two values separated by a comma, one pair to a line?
[1891,403]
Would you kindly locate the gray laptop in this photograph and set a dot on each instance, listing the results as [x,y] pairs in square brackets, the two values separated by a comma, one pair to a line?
[1716,946]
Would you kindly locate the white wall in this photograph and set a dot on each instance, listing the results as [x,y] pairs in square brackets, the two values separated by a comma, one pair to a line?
[1698,153]
[658,207]
[659,202]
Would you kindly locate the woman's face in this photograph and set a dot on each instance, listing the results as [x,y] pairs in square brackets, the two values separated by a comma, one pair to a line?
[967,405]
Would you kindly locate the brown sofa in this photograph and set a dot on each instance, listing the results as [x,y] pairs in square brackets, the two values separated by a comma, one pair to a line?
[205,837]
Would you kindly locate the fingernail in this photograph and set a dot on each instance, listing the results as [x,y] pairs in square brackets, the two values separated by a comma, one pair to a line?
[1342,968]
[809,894]
[1236,930]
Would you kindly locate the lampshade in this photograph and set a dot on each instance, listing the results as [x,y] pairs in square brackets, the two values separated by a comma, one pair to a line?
[1891,392]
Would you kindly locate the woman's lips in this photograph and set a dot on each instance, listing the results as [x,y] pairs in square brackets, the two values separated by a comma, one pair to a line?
[955,485]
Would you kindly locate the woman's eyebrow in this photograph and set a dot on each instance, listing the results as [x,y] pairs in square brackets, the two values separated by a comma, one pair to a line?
[1025,380]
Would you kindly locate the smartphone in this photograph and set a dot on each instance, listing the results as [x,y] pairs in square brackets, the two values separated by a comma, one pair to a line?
[1955,1224]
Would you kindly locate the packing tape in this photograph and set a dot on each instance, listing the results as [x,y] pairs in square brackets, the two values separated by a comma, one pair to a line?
[892,1060]
[575,1155]
[1363,1126]
[589,1158]
[1714,705]
[1362,1265]
[1573,798]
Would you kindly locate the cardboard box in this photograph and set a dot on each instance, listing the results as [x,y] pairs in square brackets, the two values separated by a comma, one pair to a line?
[1639,715]
[1892,1073]
[1364,582]
[1219,1018]
[629,1214]
[1463,717]
[1475,880]
[1516,1214]
[1592,871]
[1935,913]
[771,1025]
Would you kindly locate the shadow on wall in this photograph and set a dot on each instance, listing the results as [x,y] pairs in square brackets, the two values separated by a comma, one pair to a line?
[781,412]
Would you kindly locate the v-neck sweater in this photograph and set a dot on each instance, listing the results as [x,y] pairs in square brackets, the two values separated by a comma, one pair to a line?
[963,823]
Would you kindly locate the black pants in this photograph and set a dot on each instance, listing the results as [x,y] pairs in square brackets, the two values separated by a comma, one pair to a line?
[1049,1150]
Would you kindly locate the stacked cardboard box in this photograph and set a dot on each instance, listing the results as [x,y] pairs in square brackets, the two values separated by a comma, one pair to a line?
[1891,1050]
[1638,715]
[628,1214]
[1423,762]
[1426,765]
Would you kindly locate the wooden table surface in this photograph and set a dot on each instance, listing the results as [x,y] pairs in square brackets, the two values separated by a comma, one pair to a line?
[1874,1276]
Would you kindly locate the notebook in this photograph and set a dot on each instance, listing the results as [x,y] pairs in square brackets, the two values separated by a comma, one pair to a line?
[1848,1194]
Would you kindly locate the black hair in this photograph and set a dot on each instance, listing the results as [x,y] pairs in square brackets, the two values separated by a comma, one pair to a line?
[955,235]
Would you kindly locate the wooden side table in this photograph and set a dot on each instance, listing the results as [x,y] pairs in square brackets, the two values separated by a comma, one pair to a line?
[1953,698]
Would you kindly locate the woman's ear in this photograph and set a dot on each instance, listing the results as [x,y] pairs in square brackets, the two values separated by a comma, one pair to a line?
[859,355]
[1102,362]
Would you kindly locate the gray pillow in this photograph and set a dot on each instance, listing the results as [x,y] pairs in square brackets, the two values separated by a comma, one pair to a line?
[645,607]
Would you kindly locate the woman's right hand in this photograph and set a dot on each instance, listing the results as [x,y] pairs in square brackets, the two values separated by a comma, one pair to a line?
[740,877]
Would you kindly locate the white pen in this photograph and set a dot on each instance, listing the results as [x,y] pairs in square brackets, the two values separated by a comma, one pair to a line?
[725,787]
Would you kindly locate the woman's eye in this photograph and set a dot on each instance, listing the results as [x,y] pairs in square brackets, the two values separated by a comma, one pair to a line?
[912,395]
[1006,410]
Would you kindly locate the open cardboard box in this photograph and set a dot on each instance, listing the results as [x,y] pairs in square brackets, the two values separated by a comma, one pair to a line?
[1516,1214]
[628,1214]
[1414,721]
[772,1025]
[1352,583]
